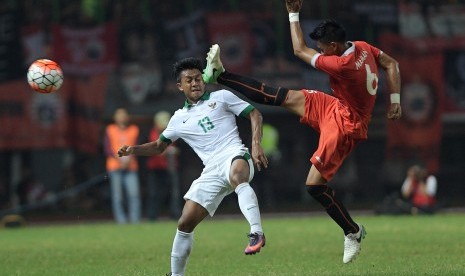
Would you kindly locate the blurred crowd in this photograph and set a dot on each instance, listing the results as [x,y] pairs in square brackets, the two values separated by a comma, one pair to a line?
[152,34]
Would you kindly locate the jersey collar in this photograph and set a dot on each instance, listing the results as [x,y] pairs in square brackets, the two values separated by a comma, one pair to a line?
[204,97]
[350,50]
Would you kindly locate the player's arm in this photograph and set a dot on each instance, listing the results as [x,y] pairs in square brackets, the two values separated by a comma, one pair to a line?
[258,154]
[301,50]
[147,149]
[391,66]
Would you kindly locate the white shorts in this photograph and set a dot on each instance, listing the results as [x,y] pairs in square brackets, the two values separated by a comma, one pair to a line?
[213,184]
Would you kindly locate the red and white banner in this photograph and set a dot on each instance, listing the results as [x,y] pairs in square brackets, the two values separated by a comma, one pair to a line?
[418,134]
[34,40]
[86,106]
[232,32]
[86,51]
[68,118]
[188,35]
[32,120]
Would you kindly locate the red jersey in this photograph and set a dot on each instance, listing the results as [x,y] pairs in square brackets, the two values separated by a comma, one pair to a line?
[156,161]
[160,162]
[353,77]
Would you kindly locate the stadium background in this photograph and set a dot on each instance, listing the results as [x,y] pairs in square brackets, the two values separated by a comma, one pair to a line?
[119,53]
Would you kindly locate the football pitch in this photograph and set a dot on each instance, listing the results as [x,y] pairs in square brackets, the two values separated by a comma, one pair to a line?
[307,245]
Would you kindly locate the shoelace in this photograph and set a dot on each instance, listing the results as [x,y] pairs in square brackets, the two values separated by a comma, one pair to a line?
[253,238]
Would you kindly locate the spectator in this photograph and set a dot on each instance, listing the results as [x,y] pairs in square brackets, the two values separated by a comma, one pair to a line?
[419,189]
[162,175]
[123,171]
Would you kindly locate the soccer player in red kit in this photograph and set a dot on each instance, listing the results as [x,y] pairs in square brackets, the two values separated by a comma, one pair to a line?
[341,118]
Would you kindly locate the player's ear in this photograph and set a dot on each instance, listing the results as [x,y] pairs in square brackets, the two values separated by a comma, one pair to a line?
[179,87]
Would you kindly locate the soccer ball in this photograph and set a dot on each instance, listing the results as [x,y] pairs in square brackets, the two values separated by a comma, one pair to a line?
[45,76]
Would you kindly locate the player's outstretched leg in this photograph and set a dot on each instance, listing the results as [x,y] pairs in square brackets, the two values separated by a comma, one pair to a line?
[352,244]
[214,66]
[256,91]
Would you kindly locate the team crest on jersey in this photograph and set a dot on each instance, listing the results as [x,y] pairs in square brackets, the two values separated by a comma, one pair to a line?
[212,105]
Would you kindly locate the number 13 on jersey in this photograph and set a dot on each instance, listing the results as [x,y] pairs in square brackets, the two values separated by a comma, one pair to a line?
[206,124]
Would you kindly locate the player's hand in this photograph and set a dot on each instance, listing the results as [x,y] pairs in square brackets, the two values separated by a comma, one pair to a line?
[395,111]
[259,157]
[293,5]
[125,151]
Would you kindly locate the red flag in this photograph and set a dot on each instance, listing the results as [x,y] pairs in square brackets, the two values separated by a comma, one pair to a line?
[85,51]
[232,32]
[418,133]
[86,106]
[30,119]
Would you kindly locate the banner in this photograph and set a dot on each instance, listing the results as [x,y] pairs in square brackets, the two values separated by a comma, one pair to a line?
[418,134]
[188,35]
[32,120]
[87,51]
[232,32]
[33,38]
[68,118]
[85,109]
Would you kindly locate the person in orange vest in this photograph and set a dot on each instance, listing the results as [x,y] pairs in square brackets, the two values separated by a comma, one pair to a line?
[122,171]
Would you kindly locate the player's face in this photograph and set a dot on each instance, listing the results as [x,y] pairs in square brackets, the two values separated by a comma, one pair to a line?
[327,49]
[192,84]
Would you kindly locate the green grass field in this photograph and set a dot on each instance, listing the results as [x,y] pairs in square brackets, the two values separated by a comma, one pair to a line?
[395,245]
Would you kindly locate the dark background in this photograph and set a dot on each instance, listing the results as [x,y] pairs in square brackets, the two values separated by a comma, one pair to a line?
[151,35]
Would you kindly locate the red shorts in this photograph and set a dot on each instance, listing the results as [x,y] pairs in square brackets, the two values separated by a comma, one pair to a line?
[340,130]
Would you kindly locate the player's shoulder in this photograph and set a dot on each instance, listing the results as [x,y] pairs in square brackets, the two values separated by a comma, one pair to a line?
[222,95]
[361,43]
[178,113]
[365,46]
[219,93]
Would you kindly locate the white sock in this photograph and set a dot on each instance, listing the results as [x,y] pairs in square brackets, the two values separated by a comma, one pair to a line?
[249,206]
[182,246]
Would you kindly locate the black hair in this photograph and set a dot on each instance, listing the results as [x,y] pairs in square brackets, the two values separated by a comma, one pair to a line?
[329,31]
[186,64]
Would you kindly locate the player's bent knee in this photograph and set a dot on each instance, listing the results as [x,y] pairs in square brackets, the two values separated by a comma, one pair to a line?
[185,225]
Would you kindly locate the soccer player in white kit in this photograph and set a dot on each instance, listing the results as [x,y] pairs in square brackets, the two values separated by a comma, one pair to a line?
[207,123]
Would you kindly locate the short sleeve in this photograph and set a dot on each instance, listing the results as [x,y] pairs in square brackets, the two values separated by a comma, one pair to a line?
[236,105]
[169,135]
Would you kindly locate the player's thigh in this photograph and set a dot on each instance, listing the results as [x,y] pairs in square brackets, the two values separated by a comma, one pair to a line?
[239,172]
[295,102]
[333,148]
[210,188]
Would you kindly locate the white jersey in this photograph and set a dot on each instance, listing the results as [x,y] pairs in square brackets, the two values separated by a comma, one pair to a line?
[209,126]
